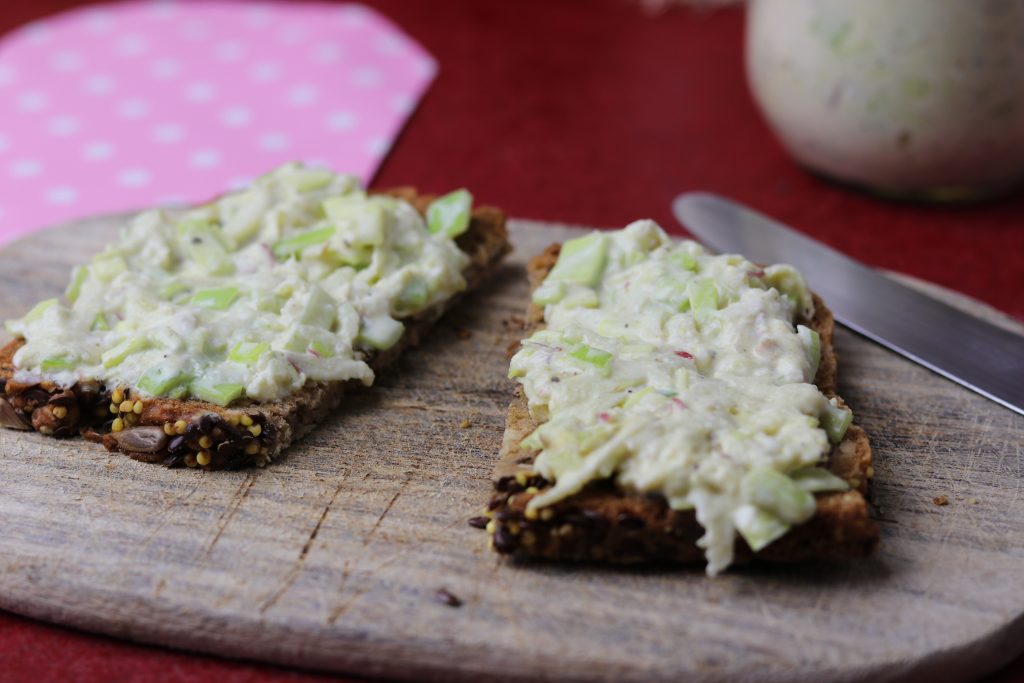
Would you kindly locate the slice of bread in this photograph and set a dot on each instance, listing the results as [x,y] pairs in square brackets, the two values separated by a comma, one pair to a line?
[604,524]
[199,434]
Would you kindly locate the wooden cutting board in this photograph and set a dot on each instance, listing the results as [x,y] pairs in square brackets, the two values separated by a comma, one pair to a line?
[332,558]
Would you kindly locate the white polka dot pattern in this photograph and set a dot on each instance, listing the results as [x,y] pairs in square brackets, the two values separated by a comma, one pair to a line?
[122,105]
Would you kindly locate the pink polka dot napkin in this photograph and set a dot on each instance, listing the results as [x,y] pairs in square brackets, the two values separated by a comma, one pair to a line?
[128,105]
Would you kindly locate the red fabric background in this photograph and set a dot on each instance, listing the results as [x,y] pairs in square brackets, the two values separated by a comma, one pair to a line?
[590,112]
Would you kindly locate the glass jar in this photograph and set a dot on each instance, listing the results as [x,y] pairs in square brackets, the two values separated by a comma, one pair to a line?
[910,98]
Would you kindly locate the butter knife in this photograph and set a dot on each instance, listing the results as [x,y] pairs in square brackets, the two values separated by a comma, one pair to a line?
[964,348]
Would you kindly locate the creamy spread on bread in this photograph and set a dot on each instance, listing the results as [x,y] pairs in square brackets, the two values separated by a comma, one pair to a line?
[295,278]
[673,371]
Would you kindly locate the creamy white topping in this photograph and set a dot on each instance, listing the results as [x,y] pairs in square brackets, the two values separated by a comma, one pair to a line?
[682,373]
[293,279]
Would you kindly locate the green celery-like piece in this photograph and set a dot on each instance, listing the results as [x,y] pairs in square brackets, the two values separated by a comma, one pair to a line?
[816,479]
[812,342]
[39,310]
[307,179]
[108,266]
[217,299]
[320,310]
[99,323]
[777,494]
[205,244]
[294,244]
[835,421]
[78,277]
[162,378]
[220,394]
[683,260]
[590,354]
[321,349]
[414,294]
[172,290]
[635,398]
[247,353]
[581,260]
[58,364]
[356,218]
[450,215]
[703,296]
[116,355]
[549,292]
[788,281]
[380,333]
[757,527]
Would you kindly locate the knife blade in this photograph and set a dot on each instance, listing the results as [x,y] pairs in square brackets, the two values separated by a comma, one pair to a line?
[966,349]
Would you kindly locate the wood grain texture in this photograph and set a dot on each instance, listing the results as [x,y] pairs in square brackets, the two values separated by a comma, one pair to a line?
[332,557]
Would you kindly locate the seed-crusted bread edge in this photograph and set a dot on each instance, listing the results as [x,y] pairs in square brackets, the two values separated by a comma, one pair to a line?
[199,434]
[604,524]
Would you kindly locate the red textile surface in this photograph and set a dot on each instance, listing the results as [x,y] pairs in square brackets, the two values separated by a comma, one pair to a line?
[593,113]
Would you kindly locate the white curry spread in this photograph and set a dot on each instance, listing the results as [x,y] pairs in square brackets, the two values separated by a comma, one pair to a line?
[673,371]
[295,278]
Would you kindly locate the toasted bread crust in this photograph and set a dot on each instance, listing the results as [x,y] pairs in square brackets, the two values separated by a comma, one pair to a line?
[602,523]
[196,433]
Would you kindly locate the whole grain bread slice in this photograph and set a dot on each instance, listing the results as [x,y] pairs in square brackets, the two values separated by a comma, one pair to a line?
[604,524]
[199,434]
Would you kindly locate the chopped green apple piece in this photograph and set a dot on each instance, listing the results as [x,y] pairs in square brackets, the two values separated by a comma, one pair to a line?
[450,215]
[116,355]
[39,310]
[220,394]
[294,244]
[612,327]
[581,260]
[812,342]
[171,290]
[307,179]
[516,368]
[321,310]
[413,295]
[581,298]
[353,255]
[78,277]
[683,260]
[355,219]
[162,378]
[297,341]
[204,228]
[321,350]
[835,421]
[815,479]
[703,296]
[247,353]
[217,299]
[108,266]
[637,397]
[757,527]
[631,258]
[790,282]
[590,354]
[380,333]
[777,494]
[205,244]
[178,392]
[58,364]
[533,442]
[549,292]
[242,213]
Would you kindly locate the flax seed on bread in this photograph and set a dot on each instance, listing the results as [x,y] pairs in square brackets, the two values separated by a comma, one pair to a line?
[604,524]
[200,434]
